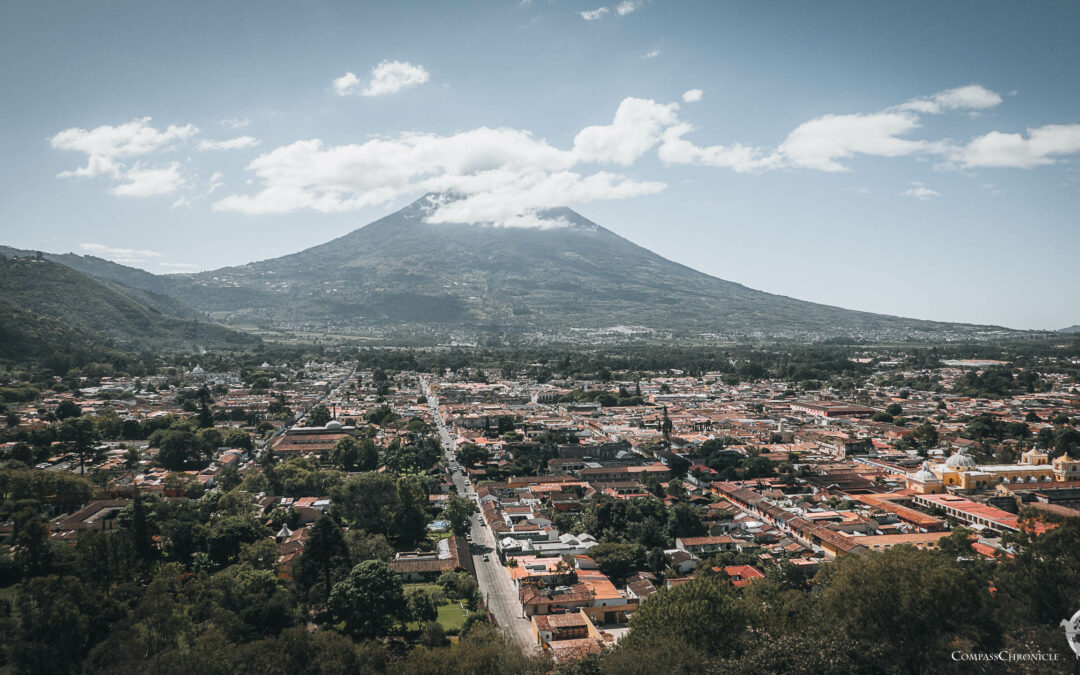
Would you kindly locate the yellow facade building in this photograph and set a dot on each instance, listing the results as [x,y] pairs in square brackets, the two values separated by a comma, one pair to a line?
[961,472]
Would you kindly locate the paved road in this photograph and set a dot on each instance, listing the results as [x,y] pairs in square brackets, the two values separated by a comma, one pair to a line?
[494,579]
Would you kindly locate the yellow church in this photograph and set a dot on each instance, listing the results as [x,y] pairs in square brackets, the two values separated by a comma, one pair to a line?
[960,472]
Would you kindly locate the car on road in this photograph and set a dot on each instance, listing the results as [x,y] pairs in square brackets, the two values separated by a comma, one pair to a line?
[487,558]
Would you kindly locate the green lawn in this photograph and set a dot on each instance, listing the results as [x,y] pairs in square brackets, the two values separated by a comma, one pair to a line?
[451,613]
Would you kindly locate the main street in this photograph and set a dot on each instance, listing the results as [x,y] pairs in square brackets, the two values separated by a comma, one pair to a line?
[494,579]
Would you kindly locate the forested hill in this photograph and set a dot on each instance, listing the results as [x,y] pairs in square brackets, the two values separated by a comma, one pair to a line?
[48,306]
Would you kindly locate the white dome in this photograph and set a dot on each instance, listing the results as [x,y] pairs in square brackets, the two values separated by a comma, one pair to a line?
[334,425]
[960,460]
[924,474]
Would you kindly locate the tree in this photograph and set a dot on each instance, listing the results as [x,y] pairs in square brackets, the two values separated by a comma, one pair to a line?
[345,453]
[67,409]
[141,536]
[921,603]
[702,614]
[468,454]
[368,457]
[132,457]
[238,438]
[79,434]
[368,600]
[422,607]
[618,561]
[367,501]
[205,418]
[432,634]
[175,448]
[210,439]
[365,546]
[410,516]
[53,625]
[894,409]
[319,416]
[926,435]
[325,556]
[458,510]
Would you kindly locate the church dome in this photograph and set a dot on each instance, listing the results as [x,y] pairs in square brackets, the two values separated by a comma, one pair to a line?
[924,474]
[960,460]
[333,425]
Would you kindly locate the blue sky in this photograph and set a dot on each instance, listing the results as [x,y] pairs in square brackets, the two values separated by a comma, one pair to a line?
[917,159]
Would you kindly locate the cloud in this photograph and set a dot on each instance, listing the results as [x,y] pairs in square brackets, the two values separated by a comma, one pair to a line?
[502,176]
[509,177]
[235,123]
[594,14]
[638,125]
[969,97]
[144,182]
[920,192]
[626,7]
[125,256]
[390,77]
[821,142]
[651,54]
[228,144]
[178,266]
[182,202]
[346,85]
[105,144]
[1042,146]
[674,149]
[692,95]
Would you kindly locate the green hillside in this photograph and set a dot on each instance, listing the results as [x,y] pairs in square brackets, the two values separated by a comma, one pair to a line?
[53,300]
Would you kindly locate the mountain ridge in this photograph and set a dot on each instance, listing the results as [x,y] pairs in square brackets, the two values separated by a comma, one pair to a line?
[66,309]
[403,275]
[400,268]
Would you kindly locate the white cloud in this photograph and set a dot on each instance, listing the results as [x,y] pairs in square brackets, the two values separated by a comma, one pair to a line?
[626,6]
[651,54]
[821,142]
[638,126]
[215,182]
[969,97]
[1043,145]
[125,256]
[182,202]
[502,176]
[105,144]
[674,149]
[920,192]
[143,182]
[228,144]
[692,95]
[594,14]
[346,85]
[390,77]
[235,122]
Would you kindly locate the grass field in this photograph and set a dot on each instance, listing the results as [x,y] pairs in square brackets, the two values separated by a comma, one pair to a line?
[451,614]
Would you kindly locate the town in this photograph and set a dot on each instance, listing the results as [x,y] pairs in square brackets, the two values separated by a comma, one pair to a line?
[420,503]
